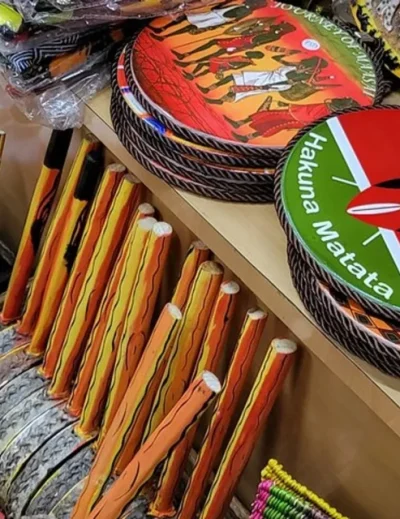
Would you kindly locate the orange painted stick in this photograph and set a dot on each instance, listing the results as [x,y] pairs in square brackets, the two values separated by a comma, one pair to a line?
[51,245]
[212,349]
[187,410]
[146,381]
[226,406]
[38,214]
[138,318]
[196,255]
[99,385]
[153,257]
[109,318]
[67,249]
[258,406]
[94,227]
[189,338]
[94,283]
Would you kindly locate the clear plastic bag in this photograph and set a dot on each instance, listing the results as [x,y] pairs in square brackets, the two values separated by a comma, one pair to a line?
[62,105]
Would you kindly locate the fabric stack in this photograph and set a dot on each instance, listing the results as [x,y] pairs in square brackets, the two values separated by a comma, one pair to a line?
[52,46]
[208,101]
[337,197]
[381,20]
[279,496]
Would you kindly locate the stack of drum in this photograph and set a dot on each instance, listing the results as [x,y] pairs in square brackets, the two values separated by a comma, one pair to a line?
[208,101]
[338,199]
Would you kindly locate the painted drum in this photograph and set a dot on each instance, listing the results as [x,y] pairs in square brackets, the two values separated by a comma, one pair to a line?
[368,336]
[338,198]
[381,19]
[247,76]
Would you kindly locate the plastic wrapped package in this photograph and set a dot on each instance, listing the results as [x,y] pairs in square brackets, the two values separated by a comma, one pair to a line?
[61,106]
[54,54]
[64,12]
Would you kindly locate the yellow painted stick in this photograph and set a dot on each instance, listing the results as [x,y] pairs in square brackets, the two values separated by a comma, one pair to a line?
[189,338]
[138,318]
[212,348]
[93,229]
[196,255]
[38,214]
[187,410]
[247,345]
[66,253]
[265,390]
[113,304]
[106,344]
[154,255]
[146,381]
[51,245]
[95,280]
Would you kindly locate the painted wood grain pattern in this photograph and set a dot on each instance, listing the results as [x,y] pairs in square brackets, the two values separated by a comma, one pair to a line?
[266,388]
[188,341]
[113,305]
[236,378]
[106,339]
[186,411]
[86,304]
[146,381]
[94,227]
[38,214]
[212,349]
[138,318]
[68,245]
[51,246]
[196,255]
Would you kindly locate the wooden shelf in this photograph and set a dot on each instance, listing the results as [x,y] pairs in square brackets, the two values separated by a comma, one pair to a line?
[250,241]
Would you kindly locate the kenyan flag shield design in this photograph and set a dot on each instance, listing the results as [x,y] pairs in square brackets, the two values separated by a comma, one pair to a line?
[341,195]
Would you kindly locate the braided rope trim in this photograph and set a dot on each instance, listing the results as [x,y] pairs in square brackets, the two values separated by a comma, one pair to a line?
[122,128]
[357,339]
[152,153]
[318,268]
[206,172]
[271,154]
[206,153]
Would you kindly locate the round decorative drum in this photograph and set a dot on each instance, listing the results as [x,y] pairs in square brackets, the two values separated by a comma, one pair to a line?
[381,19]
[245,77]
[338,197]
[370,337]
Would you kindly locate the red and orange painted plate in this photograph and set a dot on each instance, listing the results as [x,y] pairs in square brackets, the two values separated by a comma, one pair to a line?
[228,162]
[250,73]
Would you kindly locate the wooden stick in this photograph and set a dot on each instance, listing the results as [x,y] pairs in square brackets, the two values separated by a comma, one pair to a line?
[146,380]
[258,406]
[71,342]
[92,410]
[93,229]
[196,255]
[51,245]
[187,410]
[189,338]
[212,348]
[68,246]
[138,318]
[38,214]
[109,318]
[226,406]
